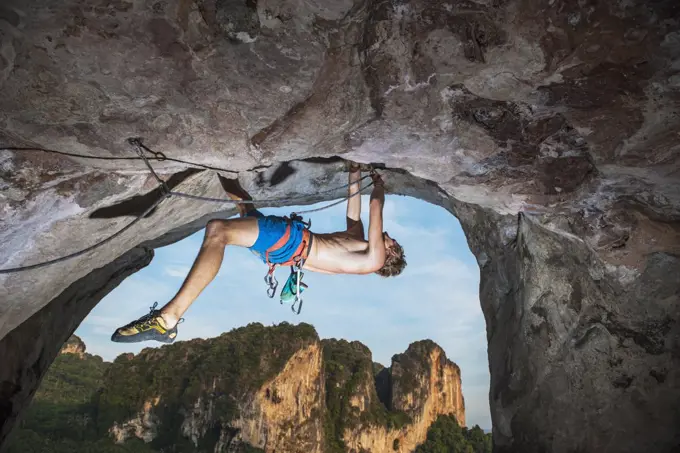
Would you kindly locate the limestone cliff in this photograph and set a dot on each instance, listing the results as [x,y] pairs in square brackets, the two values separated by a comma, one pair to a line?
[319,384]
[424,385]
[284,414]
[260,386]
[74,345]
[548,127]
[143,426]
[272,389]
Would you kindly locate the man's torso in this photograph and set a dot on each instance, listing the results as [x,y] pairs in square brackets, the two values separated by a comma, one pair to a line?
[332,253]
[335,253]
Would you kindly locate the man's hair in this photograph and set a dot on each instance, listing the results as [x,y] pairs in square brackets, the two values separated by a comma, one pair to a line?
[395,261]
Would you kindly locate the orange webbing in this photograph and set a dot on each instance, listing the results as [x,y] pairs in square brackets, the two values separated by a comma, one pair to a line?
[280,243]
[302,251]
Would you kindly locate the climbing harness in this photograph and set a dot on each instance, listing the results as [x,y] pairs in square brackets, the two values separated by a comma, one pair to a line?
[291,290]
[296,262]
[140,149]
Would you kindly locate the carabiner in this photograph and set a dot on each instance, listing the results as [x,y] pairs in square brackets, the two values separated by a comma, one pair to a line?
[271,281]
[298,218]
[298,263]
[298,298]
[292,307]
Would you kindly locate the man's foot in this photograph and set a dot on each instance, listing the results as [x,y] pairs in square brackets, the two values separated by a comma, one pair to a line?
[234,190]
[148,327]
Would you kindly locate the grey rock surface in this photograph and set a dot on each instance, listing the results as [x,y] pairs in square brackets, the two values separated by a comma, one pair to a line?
[549,128]
[28,350]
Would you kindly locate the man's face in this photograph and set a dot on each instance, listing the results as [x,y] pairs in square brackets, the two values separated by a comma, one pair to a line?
[389,242]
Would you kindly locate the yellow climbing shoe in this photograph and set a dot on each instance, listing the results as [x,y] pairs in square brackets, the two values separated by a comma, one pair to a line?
[148,327]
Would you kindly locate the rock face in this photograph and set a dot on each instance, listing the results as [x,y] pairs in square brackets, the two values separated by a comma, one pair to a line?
[270,389]
[284,413]
[577,333]
[25,362]
[141,427]
[74,345]
[437,385]
[258,385]
[422,384]
[548,127]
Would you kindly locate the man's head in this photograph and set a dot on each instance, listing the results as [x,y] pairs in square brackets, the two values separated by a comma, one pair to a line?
[394,258]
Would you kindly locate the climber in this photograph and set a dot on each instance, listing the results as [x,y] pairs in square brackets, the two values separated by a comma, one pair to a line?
[278,241]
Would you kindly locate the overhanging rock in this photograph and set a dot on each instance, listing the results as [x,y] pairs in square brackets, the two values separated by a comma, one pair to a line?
[567,114]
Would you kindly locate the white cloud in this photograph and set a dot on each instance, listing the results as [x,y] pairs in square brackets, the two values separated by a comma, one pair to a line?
[391,209]
[448,269]
[420,235]
[200,327]
[177,271]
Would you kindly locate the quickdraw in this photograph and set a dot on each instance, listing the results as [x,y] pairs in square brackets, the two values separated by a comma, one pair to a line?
[292,290]
[271,281]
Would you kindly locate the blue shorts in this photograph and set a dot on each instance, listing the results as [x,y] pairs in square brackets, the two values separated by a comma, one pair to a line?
[272,228]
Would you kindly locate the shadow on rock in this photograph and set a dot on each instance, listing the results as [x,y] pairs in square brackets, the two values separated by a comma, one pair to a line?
[136,205]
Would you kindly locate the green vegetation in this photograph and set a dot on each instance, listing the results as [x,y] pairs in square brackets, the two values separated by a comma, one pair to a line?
[348,370]
[61,406]
[234,364]
[72,379]
[408,366]
[446,436]
[81,398]
[343,366]
[60,418]
[27,441]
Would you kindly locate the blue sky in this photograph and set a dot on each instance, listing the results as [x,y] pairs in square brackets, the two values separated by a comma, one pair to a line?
[436,296]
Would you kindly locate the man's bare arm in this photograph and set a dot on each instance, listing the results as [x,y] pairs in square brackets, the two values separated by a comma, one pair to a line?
[373,258]
[376,241]
[353,203]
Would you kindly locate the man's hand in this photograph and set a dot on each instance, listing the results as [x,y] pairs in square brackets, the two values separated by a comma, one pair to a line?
[377,180]
[378,192]
[354,202]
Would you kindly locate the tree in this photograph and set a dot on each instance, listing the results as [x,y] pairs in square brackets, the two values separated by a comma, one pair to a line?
[446,436]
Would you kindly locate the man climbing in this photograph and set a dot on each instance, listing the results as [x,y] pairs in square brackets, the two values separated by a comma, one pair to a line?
[278,241]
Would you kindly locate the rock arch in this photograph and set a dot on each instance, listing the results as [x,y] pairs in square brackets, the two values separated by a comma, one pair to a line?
[549,129]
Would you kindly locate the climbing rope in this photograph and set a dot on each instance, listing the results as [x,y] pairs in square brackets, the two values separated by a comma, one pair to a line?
[85,250]
[140,148]
[167,193]
[156,155]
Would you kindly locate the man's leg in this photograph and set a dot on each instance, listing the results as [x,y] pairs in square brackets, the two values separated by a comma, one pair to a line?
[218,234]
[160,325]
